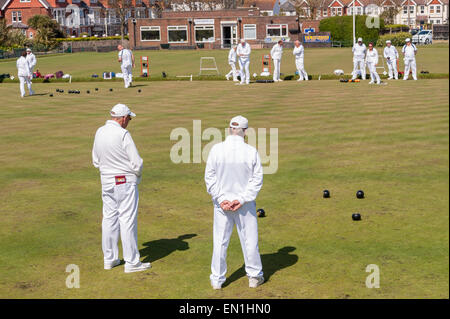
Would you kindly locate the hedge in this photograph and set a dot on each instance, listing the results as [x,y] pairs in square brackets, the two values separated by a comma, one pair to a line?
[91,38]
[341,29]
[397,39]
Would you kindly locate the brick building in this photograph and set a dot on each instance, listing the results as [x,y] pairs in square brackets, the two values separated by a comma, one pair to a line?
[214,29]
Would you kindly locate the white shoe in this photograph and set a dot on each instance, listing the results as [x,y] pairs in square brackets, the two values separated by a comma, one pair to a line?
[112,265]
[138,267]
[379,82]
[227,77]
[216,286]
[240,83]
[254,282]
[389,78]
[371,82]
[280,80]
[235,80]
[31,93]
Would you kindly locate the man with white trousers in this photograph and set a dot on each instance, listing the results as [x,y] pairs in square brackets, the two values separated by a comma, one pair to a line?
[359,53]
[234,177]
[232,62]
[24,73]
[299,53]
[409,51]
[391,55]
[126,59]
[243,52]
[372,61]
[31,58]
[115,155]
[276,53]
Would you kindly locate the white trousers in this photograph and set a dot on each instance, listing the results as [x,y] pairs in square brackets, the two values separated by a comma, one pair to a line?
[247,228]
[392,66]
[276,69]
[23,80]
[374,77]
[358,64]
[120,209]
[301,70]
[244,65]
[127,77]
[233,71]
[410,64]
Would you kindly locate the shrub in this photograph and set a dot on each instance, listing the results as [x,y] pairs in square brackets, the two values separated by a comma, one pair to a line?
[91,38]
[341,29]
[397,39]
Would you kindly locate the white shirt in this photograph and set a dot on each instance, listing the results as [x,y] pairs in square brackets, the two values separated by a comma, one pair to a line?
[409,51]
[126,57]
[31,58]
[391,53]
[232,56]
[233,171]
[298,52]
[115,154]
[243,50]
[359,51]
[276,52]
[372,56]
[23,68]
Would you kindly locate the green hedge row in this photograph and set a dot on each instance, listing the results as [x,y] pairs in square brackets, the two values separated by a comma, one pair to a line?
[91,39]
[396,26]
[397,39]
[341,29]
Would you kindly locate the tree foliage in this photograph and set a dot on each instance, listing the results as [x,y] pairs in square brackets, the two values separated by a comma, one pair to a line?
[47,30]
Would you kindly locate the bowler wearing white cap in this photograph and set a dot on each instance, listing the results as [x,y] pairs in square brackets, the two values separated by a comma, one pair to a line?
[243,52]
[232,63]
[277,53]
[31,59]
[234,177]
[359,53]
[391,55]
[24,74]
[409,51]
[115,155]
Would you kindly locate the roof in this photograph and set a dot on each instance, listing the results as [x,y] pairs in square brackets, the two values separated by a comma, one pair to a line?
[18,25]
[264,5]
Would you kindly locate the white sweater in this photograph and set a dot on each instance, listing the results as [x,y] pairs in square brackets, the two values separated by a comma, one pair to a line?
[372,56]
[276,52]
[233,171]
[23,68]
[115,154]
[298,52]
[232,56]
[245,51]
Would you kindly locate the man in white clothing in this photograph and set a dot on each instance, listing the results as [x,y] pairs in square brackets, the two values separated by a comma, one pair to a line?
[409,51]
[276,53]
[359,53]
[233,178]
[299,53]
[126,59]
[232,62]
[115,155]
[24,74]
[391,55]
[31,58]
[243,52]
[372,61]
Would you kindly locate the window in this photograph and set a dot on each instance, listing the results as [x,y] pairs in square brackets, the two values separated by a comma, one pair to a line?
[204,33]
[25,0]
[336,11]
[75,1]
[151,33]
[431,9]
[250,31]
[438,21]
[177,34]
[17,16]
[325,12]
[405,10]
[438,9]
[30,35]
[277,30]
[411,9]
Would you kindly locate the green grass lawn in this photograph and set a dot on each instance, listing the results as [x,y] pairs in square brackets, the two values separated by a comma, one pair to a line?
[391,141]
[174,62]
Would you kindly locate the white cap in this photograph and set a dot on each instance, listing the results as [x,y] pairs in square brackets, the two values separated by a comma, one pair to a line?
[242,40]
[28,50]
[120,110]
[408,40]
[239,122]
[388,41]
[359,39]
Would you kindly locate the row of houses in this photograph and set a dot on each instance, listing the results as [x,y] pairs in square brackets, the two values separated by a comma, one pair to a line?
[100,17]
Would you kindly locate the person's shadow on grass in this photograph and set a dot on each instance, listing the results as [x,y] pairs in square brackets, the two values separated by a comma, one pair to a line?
[271,264]
[157,249]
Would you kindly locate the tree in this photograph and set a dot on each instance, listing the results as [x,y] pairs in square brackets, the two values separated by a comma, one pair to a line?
[4,32]
[123,9]
[308,8]
[47,30]
[391,10]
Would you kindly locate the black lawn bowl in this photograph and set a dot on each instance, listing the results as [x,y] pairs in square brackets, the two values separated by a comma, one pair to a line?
[96,89]
[356,216]
[260,213]
[88,92]
[51,95]
[139,91]
[360,194]
[326,193]
[110,90]
[57,90]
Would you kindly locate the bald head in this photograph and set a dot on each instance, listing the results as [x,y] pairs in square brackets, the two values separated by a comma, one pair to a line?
[297,43]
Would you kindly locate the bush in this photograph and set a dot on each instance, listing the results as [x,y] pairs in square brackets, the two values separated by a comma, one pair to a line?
[92,38]
[397,39]
[341,29]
